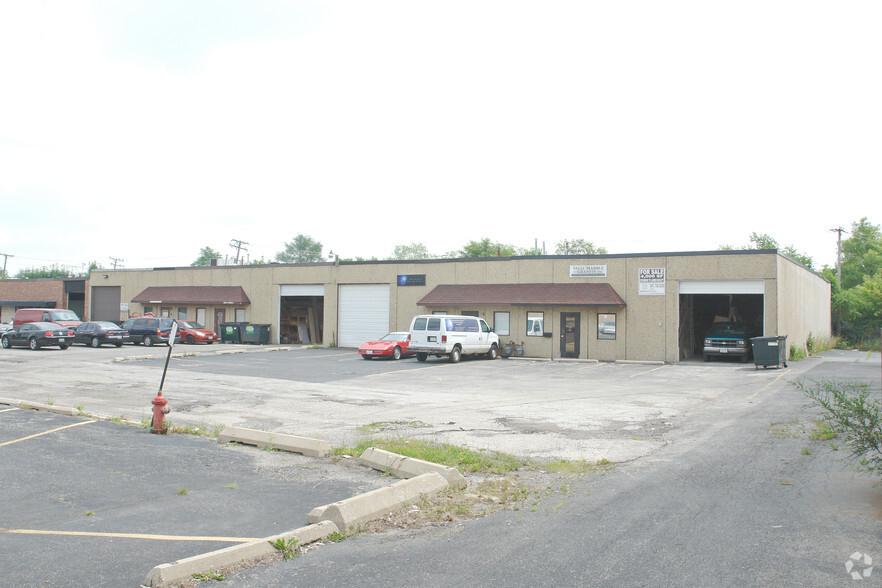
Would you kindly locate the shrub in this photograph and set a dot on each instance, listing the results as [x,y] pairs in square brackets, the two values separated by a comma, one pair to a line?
[850,410]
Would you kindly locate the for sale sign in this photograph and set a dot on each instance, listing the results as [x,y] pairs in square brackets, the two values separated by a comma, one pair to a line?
[651,281]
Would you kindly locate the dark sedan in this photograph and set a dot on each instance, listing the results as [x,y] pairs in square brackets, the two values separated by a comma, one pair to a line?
[36,335]
[98,333]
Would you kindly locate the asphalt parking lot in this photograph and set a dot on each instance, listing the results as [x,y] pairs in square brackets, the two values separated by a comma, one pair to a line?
[110,501]
[95,503]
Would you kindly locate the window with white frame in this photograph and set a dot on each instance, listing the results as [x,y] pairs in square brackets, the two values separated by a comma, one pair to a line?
[502,323]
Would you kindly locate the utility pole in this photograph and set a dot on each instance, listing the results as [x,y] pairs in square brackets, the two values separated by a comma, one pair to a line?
[115,261]
[839,230]
[238,246]
[5,257]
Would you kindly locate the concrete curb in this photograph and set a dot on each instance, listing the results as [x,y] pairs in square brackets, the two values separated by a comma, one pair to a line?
[262,439]
[359,509]
[183,569]
[639,362]
[408,467]
[65,410]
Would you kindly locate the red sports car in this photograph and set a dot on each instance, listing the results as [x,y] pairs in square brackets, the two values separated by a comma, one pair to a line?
[192,332]
[392,345]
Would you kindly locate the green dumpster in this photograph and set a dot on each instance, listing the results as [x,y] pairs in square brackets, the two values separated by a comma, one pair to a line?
[769,351]
[255,333]
[231,332]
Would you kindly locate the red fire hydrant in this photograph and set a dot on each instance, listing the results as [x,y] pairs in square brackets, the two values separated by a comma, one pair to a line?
[160,409]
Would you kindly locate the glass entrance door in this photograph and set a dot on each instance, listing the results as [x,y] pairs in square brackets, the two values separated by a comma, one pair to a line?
[569,334]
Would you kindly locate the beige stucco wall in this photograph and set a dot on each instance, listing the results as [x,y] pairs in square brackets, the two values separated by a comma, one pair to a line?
[802,310]
[646,328]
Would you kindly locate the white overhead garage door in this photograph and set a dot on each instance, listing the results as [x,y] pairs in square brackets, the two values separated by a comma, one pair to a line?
[723,287]
[363,313]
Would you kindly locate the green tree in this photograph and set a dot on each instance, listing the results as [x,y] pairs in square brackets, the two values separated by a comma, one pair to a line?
[52,271]
[206,254]
[861,308]
[412,251]
[766,241]
[861,253]
[578,247]
[487,248]
[303,249]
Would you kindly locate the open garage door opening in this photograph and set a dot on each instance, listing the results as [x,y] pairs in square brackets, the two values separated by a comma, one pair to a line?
[301,314]
[700,310]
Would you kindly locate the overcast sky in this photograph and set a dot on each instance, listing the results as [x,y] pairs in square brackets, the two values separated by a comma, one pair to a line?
[145,130]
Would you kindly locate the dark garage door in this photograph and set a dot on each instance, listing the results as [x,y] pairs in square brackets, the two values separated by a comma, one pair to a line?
[105,303]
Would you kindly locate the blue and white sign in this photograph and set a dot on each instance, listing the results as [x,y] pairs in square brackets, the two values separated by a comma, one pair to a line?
[412,280]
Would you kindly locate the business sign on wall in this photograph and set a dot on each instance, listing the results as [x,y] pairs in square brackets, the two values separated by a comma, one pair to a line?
[412,280]
[587,271]
[651,281]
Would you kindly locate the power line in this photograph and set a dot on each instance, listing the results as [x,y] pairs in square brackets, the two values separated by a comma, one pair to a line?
[116,260]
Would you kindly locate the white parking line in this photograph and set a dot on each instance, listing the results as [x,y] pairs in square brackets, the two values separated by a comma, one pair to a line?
[45,433]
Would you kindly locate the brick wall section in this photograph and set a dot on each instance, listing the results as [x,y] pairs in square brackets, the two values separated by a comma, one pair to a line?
[30,290]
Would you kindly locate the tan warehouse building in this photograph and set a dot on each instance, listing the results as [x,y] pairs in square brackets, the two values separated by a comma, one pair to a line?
[654,307]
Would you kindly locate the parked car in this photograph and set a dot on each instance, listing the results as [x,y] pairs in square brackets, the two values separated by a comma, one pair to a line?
[394,345]
[36,335]
[59,316]
[453,336]
[149,330]
[727,339]
[100,332]
[193,332]
[5,327]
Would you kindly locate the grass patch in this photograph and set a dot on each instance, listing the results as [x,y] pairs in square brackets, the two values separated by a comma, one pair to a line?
[210,575]
[287,547]
[337,536]
[379,427]
[785,429]
[183,491]
[203,429]
[463,459]
[579,466]
[822,431]
[232,486]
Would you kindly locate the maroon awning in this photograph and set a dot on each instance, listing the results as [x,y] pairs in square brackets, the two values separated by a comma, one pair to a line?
[193,295]
[523,294]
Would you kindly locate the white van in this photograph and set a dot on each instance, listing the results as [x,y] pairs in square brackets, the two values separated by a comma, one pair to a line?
[451,335]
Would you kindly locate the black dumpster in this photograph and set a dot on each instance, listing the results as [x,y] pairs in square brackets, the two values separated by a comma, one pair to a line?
[769,351]
[231,332]
[256,333]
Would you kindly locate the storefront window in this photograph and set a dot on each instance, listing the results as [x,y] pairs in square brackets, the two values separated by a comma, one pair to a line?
[535,324]
[182,313]
[606,326]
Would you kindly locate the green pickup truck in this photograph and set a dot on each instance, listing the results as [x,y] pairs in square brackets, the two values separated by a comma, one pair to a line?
[727,340]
